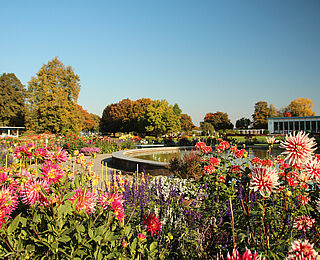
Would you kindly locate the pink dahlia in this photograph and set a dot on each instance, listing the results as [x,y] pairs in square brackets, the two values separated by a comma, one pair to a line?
[299,147]
[271,140]
[118,209]
[8,201]
[85,200]
[264,179]
[52,172]
[141,236]
[206,149]
[153,224]
[247,255]
[105,199]
[58,156]
[199,145]
[302,250]
[32,192]
[303,222]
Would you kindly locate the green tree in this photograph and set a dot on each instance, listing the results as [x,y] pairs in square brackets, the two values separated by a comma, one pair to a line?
[301,107]
[206,128]
[160,118]
[219,120]
[53,95]
[186,123]
[12,101]
[243,123]
[176,109]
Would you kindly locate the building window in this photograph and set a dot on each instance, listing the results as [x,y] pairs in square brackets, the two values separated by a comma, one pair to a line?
[313,126]
[308,126]
[296,125]
[276,127]
[280,126]
[291,125]
[302,125]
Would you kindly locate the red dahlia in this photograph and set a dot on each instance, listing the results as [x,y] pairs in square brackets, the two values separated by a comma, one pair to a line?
[153,223]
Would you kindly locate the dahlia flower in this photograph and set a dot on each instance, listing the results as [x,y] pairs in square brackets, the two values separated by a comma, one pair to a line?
[271,140]
[52,172]
[153,224]
[118,209]
[302,250]
[303,222]
[58,156]
[206,149]
[141,236]
[200,144]
[85,200]
[313,168]
[214,161]
[247,255]
[299,147]
[264,179]
[208,169]
[105,199]
[32,193]
[8,201]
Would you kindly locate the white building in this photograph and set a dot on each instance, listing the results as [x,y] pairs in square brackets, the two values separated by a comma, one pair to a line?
[284,125]
[10,131]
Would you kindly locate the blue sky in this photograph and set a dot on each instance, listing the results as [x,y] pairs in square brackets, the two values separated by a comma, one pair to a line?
[206,56]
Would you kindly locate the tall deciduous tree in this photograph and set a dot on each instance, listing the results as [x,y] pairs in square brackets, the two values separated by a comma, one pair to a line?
[219,120]
[206,128]
[177,110]
[160,118]
[12,101]
[261,113]
[186,123]
[53,95]
[301,107]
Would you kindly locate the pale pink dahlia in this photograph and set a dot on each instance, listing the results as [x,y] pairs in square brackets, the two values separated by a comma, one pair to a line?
[313,168]
[302,250]
[32,192]
[271,140]
[264,179]
[303,222]
[105,199]
[299,147]
[85,200]
[8,200]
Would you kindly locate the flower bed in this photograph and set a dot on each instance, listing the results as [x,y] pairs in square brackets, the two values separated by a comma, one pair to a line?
[237,206]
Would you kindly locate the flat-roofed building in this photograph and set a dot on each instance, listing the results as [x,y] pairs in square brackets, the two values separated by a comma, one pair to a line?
[285,125]
[10,131]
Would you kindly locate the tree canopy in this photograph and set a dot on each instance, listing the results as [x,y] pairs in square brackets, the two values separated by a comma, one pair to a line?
[261,113]
[219,120]
[301,107]
[243,123]
[53,95]
[12,101]
[186,123]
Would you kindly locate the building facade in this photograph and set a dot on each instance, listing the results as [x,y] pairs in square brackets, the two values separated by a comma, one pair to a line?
[285,125]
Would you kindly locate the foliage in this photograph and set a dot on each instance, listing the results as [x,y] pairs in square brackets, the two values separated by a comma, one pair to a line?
[186,123]
[160,118]
[89,122]
[206,128]
[177,110]
[219,120]
[261,113]
[125,116]
[301,107]
[53,96]
[243,123]
[12,101]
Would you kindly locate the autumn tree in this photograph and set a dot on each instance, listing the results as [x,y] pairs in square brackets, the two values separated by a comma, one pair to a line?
[219,120]
[160,118]
[136,112]
[243,123]
[301,107]
[186,123]
[96,122]
[89,122]
[115,117]
[12,101]
[261,114]
[53,95]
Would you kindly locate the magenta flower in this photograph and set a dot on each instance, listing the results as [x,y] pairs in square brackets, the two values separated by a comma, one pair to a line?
[302,250]
[52,172]
[85,200]
[32,192]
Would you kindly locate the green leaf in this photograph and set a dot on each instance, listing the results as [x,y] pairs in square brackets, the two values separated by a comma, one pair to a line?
[64,239]
[90,233]
[14,224]
[153,246]
[111,256]
[68,195]
[98,238]
[80,228]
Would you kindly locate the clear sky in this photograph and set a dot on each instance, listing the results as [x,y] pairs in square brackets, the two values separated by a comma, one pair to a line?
[206,56]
